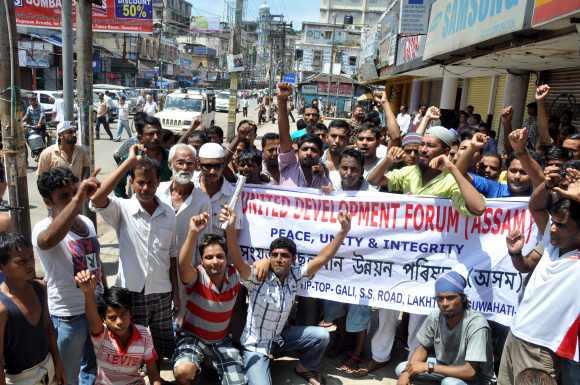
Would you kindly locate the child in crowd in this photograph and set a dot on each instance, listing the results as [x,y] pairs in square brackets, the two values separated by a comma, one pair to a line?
[121,347]
[28,351]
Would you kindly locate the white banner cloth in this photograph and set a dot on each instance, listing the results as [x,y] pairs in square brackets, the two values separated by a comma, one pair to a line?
[397,247]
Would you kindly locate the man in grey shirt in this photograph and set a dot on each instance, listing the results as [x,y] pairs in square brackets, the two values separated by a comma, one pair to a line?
[459,337]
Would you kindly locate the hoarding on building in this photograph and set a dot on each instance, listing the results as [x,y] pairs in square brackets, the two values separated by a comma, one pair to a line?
[112,16]
[546,11]
[344,89]
[34,54]
[458,24]
[414,16]
[410,48]
[205,24]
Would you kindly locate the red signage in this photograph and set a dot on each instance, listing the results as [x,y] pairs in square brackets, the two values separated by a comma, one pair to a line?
[344,89]
[113,16]
[550,10]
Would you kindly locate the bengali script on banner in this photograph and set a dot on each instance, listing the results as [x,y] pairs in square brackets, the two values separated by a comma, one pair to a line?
[397,247]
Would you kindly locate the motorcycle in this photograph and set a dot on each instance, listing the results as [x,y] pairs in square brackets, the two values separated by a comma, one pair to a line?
[35,141]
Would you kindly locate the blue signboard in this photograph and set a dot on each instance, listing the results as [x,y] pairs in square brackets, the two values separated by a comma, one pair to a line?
[134,9]
[289,78]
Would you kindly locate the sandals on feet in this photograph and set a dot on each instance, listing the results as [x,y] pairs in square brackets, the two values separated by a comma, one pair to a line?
[310,375]
[351,365]
[370,367]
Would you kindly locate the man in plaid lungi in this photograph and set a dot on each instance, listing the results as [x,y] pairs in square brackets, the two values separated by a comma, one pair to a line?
[212,289]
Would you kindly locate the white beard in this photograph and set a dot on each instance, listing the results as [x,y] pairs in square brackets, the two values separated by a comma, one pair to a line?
[182,177]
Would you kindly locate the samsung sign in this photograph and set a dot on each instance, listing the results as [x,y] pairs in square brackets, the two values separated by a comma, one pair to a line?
[456,24]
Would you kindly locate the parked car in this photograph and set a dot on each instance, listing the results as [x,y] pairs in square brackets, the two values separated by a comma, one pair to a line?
[183,107]
[222,102]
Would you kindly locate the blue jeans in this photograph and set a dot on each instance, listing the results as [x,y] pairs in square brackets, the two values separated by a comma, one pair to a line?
[311,341]
[76,349]
[430,377]
[123,125]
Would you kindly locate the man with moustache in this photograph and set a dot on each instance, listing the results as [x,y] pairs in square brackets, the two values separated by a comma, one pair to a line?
[460,337]
[265,334]
[519,182]
[338,137]
[181,194]
[434,174]
[367,141]
[211,180]
[270,170]
[411,144]
[250,166]
[296,167]
[358,117]
[65,153]
[349,177]
[212,290]
[145,228]
[149,139]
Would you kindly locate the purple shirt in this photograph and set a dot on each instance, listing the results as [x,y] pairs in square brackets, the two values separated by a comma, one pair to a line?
[291,174]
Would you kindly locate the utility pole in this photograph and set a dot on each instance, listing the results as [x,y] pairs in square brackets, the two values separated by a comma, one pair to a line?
[13,146]
[67,59]
[85,83]
[235,43]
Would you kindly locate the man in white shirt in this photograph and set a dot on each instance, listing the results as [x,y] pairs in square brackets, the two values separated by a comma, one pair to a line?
[186,200]
[212,182]
[66,243]
[58,108]
[150,107]
[245,104]
[123,119]
[404,119]
[544,332]
[145,229]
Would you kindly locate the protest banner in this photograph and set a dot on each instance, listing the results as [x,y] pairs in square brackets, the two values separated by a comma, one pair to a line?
[111,16]
[397,247]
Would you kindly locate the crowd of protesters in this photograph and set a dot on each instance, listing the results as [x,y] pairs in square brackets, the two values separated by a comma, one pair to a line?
[184,293]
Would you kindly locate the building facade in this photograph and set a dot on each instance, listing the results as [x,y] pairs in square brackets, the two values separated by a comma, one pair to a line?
[363,12]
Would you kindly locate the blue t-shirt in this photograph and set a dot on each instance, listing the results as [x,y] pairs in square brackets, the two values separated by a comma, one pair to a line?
[490,188]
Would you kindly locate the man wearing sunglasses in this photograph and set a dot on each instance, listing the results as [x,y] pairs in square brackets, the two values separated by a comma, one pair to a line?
[212,163]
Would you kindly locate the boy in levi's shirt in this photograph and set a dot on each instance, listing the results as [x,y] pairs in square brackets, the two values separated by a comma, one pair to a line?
[121,347]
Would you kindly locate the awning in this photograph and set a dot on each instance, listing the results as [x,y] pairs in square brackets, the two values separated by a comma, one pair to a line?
[391,79]
[55,40]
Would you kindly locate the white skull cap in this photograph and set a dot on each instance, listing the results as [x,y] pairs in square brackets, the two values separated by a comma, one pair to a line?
[212,151]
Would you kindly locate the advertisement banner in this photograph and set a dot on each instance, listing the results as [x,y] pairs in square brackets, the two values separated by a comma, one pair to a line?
[344,89]
[205,24]
[454,25]
[397,246]
[552,10]
[414,16]
[410,48]
[112,16]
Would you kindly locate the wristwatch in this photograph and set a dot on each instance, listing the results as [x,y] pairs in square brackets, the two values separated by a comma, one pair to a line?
[430,365]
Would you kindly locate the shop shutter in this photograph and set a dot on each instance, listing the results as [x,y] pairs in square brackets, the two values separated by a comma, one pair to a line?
[478,95]
[499,104]
[435,93]
[531,95]
[564,92]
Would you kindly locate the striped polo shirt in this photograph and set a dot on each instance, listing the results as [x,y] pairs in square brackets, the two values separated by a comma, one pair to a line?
[209,309]
[118,364]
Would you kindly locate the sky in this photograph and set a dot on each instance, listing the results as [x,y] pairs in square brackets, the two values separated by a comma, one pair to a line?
[295,11]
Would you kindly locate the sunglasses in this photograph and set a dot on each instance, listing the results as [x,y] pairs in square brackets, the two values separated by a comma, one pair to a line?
[210,166]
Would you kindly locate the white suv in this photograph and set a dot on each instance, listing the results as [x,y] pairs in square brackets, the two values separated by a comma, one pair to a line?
[182,107]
